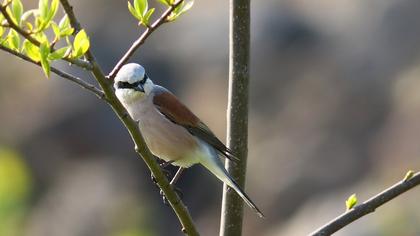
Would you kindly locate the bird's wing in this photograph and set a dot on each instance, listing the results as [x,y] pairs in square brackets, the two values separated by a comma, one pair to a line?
[169,105]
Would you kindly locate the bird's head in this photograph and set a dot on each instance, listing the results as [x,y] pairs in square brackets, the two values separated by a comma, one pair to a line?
[132,83]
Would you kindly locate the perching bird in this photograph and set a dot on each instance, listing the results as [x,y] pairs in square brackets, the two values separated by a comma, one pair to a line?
[171,131]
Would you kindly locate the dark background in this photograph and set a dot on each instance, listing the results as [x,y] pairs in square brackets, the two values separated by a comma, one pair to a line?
[334,110]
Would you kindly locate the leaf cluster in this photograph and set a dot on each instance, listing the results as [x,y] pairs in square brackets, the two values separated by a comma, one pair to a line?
[140,10]
[39,33]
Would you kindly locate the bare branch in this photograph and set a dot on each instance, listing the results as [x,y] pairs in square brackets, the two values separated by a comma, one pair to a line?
[231,219]
[69,11]
[81,63]
[60,73]
[140,146]
[368,206]
[136,44]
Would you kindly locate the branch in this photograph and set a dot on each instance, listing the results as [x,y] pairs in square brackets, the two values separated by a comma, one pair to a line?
[58,72]
[237,130]
[136,44]
[132,127]
[81,63]
[368,206]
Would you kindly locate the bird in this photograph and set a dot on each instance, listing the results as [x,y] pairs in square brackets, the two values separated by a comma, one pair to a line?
[171,130]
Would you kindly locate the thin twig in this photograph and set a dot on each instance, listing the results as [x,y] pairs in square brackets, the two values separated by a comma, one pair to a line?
[132,127]
[60,73]
[136,44]
[368,206]
[81,63]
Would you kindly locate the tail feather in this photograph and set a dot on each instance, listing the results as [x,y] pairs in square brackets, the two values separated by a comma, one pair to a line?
[215,166]
[244,196]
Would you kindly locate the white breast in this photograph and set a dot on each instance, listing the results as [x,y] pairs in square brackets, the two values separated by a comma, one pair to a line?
[164,138]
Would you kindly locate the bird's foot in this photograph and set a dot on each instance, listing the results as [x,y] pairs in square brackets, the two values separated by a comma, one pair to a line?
[166,172]
[177,190]
[172,183]
[165,164]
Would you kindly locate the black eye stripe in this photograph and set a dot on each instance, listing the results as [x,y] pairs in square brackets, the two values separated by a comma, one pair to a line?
[145,77]
[121,84]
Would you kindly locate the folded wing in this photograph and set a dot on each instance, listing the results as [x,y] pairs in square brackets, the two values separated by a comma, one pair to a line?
[169,105]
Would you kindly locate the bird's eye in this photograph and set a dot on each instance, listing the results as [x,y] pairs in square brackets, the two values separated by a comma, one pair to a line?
[122,84]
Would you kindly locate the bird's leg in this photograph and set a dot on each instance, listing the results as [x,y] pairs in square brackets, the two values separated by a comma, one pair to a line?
[175,179]
[177,175]
[172,183]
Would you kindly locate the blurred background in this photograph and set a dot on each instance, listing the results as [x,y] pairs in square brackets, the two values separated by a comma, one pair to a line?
[335,110]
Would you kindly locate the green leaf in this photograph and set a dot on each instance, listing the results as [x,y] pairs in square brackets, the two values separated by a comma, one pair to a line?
[67,32]
[41,37]
[59,53]
[56,30]
[134,12]
[10,13]
[13,40]
[46,13]
[186,7]
[2,29]
[31,51]
[43,9]
[146,18]
[64,26]
[45,64]
[64,23]
[165,2]
[140,11]
[141,6]
[29,26]
[181,9]
[40,23]
[408,175]
[351,201]
[44,51]
[81,44]
[17,10]
[53,9]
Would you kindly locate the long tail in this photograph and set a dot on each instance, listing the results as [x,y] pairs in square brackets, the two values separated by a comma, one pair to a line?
[215,166]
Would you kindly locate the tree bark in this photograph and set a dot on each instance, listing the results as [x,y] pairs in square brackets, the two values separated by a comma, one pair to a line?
[237,130]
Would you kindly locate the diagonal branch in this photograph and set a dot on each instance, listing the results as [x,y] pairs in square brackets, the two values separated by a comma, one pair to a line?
[136,44]
[84,64]
[60,73]
[132,127]
[368,206]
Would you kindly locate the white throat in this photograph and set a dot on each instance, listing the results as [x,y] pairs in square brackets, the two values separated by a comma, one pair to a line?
[128,96]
